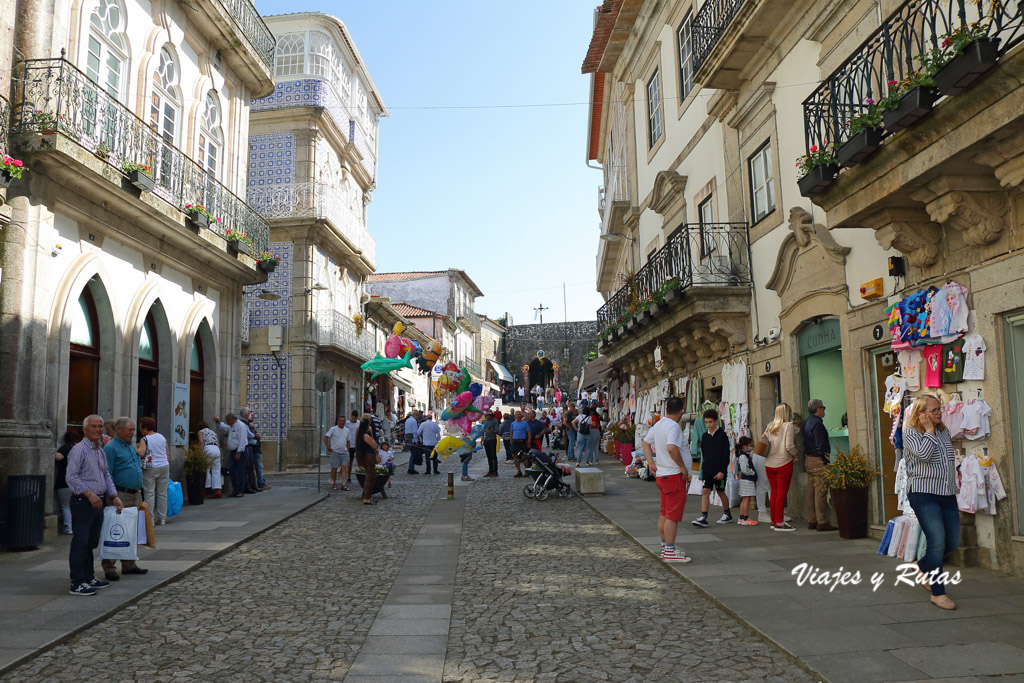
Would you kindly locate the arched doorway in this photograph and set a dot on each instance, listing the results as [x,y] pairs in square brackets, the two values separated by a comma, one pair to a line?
[84,360]
[541,372]
[149,370]
[196,379]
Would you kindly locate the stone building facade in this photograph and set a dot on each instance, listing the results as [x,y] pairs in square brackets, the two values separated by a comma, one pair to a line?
[540,347]
[313,165]
[113,301]
[699,110]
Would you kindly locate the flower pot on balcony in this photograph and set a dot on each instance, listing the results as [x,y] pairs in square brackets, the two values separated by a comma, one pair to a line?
[860,147]
[655,310]
[621,332]
[197,220]
[239,247]
[268,266]
[916,104]
[968,67]
[631,324]
[6,179]
[643,317]
[817,180]
[672,295]
[142,181]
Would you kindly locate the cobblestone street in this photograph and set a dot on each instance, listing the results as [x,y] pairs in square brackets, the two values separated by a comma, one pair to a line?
[544,591]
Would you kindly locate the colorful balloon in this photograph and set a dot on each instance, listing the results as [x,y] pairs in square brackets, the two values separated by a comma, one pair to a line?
[385,366]
[428,357]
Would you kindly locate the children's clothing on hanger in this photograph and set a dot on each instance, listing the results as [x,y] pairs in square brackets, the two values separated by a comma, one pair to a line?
[953,418]
[974,358]
[910,365]
[953,362]
[948,315]
[980,485]
[933,366]
[976,422]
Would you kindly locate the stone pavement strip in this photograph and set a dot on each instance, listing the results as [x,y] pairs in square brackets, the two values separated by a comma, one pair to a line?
[851,633]
[36,611]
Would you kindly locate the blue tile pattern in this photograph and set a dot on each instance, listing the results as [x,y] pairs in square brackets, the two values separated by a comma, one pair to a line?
[264,385]
[271,161]
[263,313]
[309,92]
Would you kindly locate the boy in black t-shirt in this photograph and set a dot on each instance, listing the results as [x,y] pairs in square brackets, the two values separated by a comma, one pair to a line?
[714,468]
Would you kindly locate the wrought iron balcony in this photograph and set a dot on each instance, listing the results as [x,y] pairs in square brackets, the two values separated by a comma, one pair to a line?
[252,26]
[710,22]
[473,367]
[57,98]
[712,255]
[5,123]
[893,52]
[336,329]
[319,202]
[467,314]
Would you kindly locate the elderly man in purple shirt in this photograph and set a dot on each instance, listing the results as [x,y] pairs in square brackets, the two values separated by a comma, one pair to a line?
[89,481]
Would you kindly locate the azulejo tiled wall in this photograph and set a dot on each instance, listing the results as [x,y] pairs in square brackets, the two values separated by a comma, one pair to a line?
[309,92]
[263,313]
[268,393]
[271,162]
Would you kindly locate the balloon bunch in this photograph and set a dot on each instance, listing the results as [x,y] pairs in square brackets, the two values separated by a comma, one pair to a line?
[468,407]
[397,348]
[459,445]
[452,378]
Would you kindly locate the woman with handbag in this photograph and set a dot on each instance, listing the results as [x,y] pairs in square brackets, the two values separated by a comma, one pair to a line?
[366,456]
[778,446]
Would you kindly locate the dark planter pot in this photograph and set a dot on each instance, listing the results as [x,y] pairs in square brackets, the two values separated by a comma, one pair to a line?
[378,484]
[198,221]
[268,267]
[238,246]
[6,179]
[860,147]
[817,180]
[142,181]
[968,67]
[913,106]
[622,331]
[195,487]
[654,310]
[851,512]
[672,295]
[643,317]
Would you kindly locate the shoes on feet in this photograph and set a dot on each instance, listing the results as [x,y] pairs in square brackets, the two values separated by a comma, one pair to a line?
[943,602]
[237,495]
[747,522]
[783,527]
[82,589]
[111,576]
[135,570]
[467,479]
[827,527]
[412,472]
[161,522]
[674,555]
[701,521]
[98,583]
[265,487]
[517,474]
[725,519]
[813,526]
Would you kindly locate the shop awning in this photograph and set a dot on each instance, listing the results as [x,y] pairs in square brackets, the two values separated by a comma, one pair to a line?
[594,373]
[503,374]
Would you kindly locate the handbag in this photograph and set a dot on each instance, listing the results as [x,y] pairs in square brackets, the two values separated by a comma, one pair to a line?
[762,446]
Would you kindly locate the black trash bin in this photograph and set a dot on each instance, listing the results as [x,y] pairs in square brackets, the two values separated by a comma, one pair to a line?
[26,502]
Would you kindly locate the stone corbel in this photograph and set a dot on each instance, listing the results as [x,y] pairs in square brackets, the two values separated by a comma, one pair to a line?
[973,205]
[713,344]
[1006,157]
[732,330]
[804,230]
[694,350]
[908,231]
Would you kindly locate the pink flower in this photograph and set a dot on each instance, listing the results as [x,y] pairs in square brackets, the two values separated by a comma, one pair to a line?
[869,101]
[17,162]
[891,83]
[814,148]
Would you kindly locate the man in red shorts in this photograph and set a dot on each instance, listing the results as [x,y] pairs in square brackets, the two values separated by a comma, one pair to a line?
[670,465]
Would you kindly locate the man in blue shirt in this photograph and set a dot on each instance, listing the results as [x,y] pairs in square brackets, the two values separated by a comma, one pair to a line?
[411,425]
[520,441]
[125,469]
[816,454]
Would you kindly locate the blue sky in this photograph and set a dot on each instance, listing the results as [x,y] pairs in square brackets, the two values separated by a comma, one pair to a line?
[503,193]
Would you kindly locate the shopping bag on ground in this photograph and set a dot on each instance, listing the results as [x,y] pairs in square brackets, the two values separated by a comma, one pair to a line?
[146,534]
[119,534]
[174,498]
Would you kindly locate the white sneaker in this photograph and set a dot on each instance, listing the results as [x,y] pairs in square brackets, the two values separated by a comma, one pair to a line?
[701,521]
[726,519]
[674,555]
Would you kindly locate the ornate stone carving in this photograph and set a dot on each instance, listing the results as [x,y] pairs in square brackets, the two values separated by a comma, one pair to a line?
[668,192]
[804,235]
[732,330]
[908,231]
[713,344]
[980,216]
[1006,157]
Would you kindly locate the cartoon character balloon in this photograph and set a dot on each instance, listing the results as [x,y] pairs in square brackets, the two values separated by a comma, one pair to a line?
[450,445]
[396,346]
[451,377]
[428,358]
[468,407]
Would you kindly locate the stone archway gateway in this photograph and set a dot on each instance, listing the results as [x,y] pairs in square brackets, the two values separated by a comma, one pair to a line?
[541,372]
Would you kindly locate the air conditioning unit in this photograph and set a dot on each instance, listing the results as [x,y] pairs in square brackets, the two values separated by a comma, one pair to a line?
[715,269]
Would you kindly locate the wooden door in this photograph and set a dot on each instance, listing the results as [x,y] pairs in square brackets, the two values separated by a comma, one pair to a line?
[885,365]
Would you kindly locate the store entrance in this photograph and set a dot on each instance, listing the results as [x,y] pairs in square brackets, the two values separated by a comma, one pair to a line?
[1014,336]
[821,366]
[884,363]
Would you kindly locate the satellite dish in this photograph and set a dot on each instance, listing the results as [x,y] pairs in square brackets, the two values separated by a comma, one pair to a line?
[324,380]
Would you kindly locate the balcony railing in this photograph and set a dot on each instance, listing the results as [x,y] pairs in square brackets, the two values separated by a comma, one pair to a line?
[5,123]
[336,329]
[600,199]
[317,201]
[716,254]
[472,366]
[709,24]
[252,26]
[469,315]
[893,52]
[58,98]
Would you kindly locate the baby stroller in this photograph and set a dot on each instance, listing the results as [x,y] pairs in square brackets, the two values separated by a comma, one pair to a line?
[549,477]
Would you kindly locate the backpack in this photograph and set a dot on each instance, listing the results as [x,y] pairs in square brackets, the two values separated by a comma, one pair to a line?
[584,429]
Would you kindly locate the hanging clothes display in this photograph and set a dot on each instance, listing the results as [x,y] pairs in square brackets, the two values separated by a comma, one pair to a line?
[976,423]
[910,365]
[948,317]
[933,366]
[980,485]
[953,418]
[974,358]
[953,362]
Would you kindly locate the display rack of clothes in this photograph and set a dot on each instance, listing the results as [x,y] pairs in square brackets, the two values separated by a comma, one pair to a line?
[980,485]
[903,539]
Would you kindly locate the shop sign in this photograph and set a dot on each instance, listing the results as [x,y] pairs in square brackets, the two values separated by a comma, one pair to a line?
[819,337]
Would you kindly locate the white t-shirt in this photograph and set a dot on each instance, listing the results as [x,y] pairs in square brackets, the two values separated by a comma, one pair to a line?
[663,433]
[339,438]
[976,422]
[156,447]
[910,361]
[386,456]
[974,357]
[352,426]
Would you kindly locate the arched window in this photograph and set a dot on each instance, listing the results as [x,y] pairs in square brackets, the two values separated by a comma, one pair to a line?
[320,55]
[197,375]
[84,362]
[289,57]
[149,369]
[211,136]
[342,78]
[165,111]
[106,47]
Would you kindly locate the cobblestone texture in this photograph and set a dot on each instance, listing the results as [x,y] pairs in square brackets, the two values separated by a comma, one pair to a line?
[546,591]
[552,592]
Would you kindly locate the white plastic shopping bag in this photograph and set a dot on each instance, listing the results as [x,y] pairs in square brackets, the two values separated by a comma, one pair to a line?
[119,536]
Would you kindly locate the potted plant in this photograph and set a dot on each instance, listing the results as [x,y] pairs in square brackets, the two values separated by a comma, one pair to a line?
[140,175]
[360,323]
[194,469]
[45,122]
[848,476]
[198,216]
[267,261]
[623,434]
[670,290]
[102,152]
[864,135]
[963,57]
[383,474]
[238,241]
[10,170]
[817,169]
[908,101]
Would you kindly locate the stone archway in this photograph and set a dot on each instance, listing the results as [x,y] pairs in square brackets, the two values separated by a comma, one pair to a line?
[541,372]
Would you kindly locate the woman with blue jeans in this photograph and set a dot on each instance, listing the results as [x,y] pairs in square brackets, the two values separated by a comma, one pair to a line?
[931,490]
[582,439]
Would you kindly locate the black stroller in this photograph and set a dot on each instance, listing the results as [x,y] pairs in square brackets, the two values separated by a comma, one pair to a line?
[549,477]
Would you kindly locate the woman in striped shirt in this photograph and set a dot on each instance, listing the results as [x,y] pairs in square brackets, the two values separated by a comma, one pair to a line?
[931,487]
